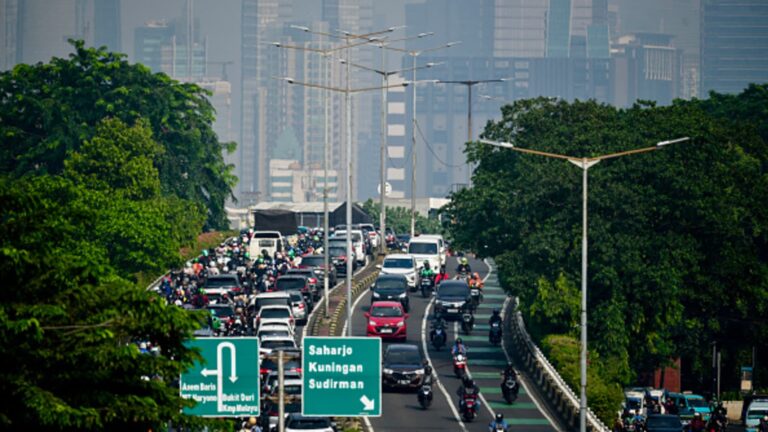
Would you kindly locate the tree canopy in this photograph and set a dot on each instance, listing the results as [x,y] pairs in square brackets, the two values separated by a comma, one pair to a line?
[49,110]
[71,315]
[677,237]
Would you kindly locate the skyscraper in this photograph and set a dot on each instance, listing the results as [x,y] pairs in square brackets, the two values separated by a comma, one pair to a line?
[107,24]
[159,45]
[734,44]
[9,33]
[520,28]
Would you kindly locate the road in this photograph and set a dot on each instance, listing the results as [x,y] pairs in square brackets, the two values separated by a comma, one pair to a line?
[401,411]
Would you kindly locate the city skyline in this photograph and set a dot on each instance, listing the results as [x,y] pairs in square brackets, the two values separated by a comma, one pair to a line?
[614,51]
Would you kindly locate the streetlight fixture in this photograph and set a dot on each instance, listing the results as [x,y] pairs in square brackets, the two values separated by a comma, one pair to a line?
[469,84]
[585,164]
[383,179]
[347,92]
[414,54]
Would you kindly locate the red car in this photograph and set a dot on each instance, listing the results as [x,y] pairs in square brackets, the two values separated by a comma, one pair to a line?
[386,319]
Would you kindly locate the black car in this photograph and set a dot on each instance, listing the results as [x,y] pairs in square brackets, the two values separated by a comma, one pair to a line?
[402,241]
[391,287]
[402,367]
[339,259]
[296,282]
[451,296]
[663,423]
[316,263]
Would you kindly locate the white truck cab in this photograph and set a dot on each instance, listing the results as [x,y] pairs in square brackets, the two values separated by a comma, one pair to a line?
[425,249]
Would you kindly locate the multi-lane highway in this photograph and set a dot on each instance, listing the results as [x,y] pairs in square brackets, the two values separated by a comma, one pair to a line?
[401,410]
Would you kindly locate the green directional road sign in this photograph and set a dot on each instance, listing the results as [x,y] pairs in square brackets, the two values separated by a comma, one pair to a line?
[342,376]
[226,384]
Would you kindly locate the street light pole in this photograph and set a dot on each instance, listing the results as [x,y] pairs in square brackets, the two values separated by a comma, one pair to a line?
[585,164]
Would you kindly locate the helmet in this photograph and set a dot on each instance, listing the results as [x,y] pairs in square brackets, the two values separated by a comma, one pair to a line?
[632,412]
[464,261]
[458,341]
[510,365]
[427,369]
[470,382]
[426,263]
[465,380]
[252,421]
[143,345]
[496,311]
[476,275]
[499,417]
[698,414]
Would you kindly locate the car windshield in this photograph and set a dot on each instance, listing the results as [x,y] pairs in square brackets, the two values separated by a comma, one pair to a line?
[267,243]
[220,282]
[664,422]
[403,263]
[296,297]
[286,284]
[386,311]
[633,404]
[404,357]
[313,261]
[275,313]
[356,237]
[336,251]
[272,344]
[757,414]
[222,312]
[423,248]
[281,301]
[453,290]
[390,284]
[697,403]
[269,364]
[309,424]
[274,332]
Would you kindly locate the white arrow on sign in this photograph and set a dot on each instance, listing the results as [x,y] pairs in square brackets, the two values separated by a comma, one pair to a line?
[368,404]
[219,372]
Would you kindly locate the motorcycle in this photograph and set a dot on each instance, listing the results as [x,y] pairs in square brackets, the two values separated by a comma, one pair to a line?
[510,388]
[467,322]
[498,428]
[476,296]
[469,408]
[460,365]
[425,396]
[438,338]
[426,286]
[494,333]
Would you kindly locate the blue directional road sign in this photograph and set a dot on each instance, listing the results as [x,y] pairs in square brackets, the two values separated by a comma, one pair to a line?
[226,384]
[341,376]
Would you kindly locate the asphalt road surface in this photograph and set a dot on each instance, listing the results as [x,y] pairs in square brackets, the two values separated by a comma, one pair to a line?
[401,410]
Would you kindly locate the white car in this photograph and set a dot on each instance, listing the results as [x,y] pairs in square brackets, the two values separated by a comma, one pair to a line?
[298,306]
[401,264]
[441,243]
[274,330]
[299,423]
[269,343]
[425,248]
[274,314]
[357,243]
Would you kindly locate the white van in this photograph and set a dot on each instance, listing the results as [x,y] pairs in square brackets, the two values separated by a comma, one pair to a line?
[441,242]
[271,241]
[757,410]
[425,249]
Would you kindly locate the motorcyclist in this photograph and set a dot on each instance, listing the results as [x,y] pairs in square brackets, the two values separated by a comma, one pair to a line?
[427,374]
[495,317]
[697,424]
[509,372]
[476,281]
[458,348]
[426,271]
[438,322]
[498,422]
[468,389]
[251,425]
[464,267]
[763,425]
[441,275]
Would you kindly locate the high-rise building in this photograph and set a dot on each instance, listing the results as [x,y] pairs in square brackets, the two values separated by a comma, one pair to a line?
[107,24]
[158,45]
[734,44]
[645,66]
[9,33]
[398,159]
[520,28]
[448,20]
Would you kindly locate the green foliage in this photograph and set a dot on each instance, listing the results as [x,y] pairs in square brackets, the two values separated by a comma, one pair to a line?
[69,314]
[677,238]
[603,392]
[399,219]
[48,111]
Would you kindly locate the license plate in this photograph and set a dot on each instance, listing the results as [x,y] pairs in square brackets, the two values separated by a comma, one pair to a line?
[403,382]
[452,310]
[386,330]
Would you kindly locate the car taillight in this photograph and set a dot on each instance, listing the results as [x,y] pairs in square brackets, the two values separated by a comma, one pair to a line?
[263,371]
[301,305]
[313,280]
[298,370]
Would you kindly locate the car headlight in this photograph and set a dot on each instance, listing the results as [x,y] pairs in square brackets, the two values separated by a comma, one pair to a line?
[376,295]
[419,371]
[401,323]
[403,295]
[388,371]
[372,323]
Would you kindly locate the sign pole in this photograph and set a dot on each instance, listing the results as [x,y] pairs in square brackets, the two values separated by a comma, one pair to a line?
[281,392]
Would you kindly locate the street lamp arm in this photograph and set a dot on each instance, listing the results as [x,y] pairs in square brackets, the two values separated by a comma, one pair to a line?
[338,89]
[365,89]
[524,150]
[624,153]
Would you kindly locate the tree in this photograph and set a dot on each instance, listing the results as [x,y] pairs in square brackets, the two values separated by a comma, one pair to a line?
[677,237]
[399,218]
[49,110]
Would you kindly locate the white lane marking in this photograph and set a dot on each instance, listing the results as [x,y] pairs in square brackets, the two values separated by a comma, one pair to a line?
[437,375]
[368,424]
[354,308]
[522,381]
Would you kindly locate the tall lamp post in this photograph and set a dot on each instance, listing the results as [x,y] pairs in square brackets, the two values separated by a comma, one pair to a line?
[585,164]
[326,155]
[382,182]
[347,91]
[414,54]
[469,84]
